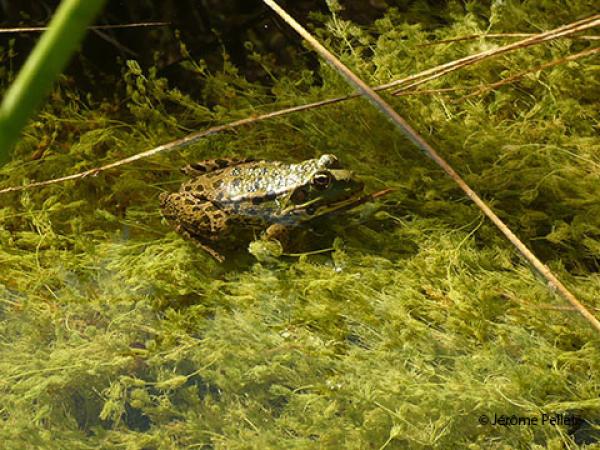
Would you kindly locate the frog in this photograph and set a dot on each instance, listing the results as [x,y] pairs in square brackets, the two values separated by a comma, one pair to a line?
[225,200]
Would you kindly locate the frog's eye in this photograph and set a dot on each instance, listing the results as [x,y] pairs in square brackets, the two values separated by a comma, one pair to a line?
[321,180]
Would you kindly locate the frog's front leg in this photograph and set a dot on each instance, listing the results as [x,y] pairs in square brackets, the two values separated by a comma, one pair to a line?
[197,241]
[196,219]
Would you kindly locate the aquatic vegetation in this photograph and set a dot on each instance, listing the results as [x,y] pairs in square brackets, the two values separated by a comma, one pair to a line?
[43,66]
[114,331]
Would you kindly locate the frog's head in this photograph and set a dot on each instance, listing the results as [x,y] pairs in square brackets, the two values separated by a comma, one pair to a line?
[325,190]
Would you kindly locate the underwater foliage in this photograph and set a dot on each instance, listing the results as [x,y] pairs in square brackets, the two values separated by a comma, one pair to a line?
[117,333]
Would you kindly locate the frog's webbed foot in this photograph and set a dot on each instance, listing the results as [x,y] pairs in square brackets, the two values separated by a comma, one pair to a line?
[198,243]
[210,165]
[278,232]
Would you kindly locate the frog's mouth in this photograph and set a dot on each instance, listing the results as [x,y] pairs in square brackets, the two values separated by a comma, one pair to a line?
[343,205]
[320,206]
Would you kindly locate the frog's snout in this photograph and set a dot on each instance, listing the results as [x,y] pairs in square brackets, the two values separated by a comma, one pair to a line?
[352,183]
[359,184]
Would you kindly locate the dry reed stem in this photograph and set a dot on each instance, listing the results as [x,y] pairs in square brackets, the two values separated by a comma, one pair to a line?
[478,90]
[517,76]
[403,93]
[553,282]
[194,137]
[472,37]
[443,69]
[95,27]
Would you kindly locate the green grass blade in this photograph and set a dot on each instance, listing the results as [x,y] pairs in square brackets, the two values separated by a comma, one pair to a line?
[45,63]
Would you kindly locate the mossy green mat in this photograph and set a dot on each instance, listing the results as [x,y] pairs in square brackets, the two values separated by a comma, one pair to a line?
[117,333]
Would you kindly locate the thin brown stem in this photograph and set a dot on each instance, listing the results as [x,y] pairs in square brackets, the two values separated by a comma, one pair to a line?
[437,71]
[512,296]
[472,37]
[553,282]
[95,27]
[452,66]
[407,92]
[193,137]
[179,143]
[478,90]
[518,76]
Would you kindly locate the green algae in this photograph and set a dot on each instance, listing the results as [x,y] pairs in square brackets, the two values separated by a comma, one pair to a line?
[117,333]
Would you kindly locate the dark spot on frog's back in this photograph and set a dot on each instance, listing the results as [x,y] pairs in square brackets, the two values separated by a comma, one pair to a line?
[198,167]
[195,191]
[204,221]
[264,198]
[222,163]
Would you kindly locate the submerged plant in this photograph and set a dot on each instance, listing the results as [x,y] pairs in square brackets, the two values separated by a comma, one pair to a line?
[115,332]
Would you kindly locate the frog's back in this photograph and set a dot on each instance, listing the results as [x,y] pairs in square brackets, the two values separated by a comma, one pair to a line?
[256,179]
[264,180]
